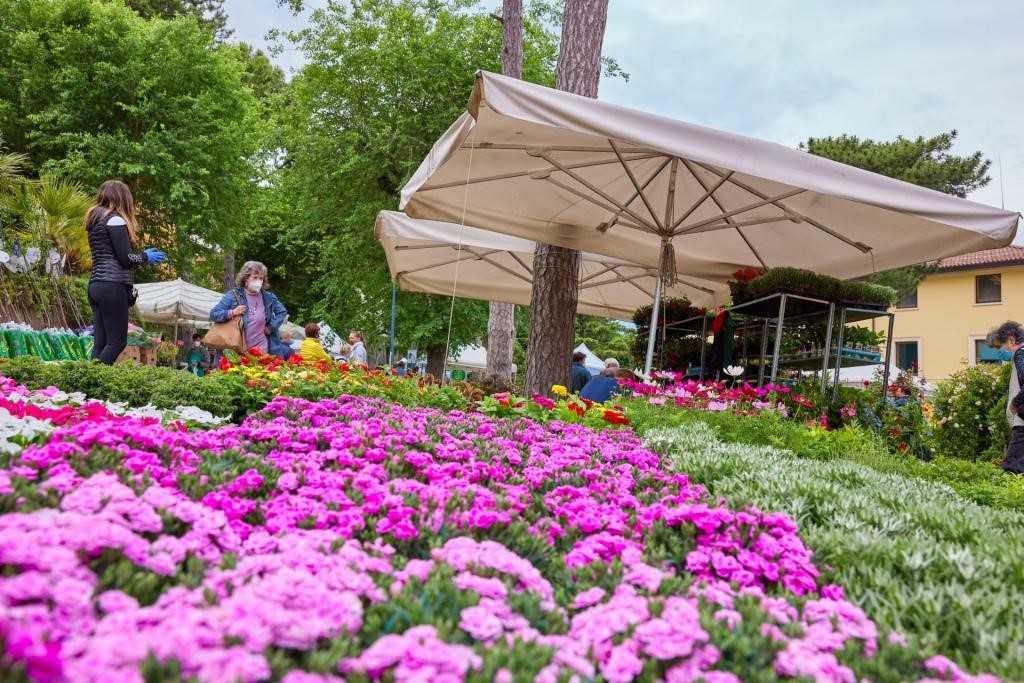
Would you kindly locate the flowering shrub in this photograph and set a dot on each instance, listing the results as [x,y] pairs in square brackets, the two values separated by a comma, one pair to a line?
[357,538]
[966,423]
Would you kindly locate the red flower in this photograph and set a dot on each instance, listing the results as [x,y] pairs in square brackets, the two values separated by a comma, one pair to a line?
[502,398]
[295,359]
[615,417]
[343,366]
[576,408]
[224,363]
[254,351]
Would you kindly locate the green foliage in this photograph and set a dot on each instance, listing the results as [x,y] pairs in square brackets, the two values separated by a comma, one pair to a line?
[90,90]
[970,410]
[916,557]
[922,161]
[210,13]
[382,81]
[980,482]
[606,338]
[797,281]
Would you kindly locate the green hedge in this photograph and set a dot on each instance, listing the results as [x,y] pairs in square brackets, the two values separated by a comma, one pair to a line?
[981,482]
[915,556]
[136,385]
[797,281]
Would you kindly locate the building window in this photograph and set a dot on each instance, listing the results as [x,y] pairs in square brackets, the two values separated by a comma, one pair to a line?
[983,353]
[906,356]
[908,299]
[988,289]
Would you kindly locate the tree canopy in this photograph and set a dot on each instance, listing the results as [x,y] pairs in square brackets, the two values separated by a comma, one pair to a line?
[382,81]
[91,90]
[922,161]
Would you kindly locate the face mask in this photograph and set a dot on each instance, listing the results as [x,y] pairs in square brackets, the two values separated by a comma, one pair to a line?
[254,285]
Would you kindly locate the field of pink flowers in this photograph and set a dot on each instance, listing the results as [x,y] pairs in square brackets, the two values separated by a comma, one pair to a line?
[355,539]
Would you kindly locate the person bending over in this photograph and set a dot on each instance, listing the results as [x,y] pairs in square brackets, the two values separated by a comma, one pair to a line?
[311,350]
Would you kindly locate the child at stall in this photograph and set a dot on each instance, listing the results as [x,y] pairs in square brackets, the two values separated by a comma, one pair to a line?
[310,349]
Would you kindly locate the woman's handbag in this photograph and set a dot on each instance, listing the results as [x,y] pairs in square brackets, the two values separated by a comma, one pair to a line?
[227,335]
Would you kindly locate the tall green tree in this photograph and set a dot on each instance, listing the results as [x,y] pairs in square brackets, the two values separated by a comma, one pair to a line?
[925,161]
[90,90]
[210,13]
[383,81]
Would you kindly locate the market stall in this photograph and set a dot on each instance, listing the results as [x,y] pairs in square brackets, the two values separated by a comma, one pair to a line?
[452,260]
[549,166]
[175,302]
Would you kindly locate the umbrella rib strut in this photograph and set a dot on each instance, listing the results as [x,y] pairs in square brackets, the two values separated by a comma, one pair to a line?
[636,185]
[860,246]
[604,227]
[743,209]
[543,154]
[730,221]
[523,174]
[616,209]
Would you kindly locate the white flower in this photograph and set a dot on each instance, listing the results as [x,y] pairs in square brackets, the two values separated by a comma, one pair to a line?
[734,370]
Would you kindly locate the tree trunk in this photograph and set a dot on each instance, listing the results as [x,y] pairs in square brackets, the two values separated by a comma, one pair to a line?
[229,268]
[502,316]
[435,361]
[556,269]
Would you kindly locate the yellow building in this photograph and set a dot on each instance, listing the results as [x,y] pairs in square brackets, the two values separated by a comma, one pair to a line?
[943,324]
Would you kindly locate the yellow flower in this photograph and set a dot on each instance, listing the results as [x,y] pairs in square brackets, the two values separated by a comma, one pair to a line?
[559,390]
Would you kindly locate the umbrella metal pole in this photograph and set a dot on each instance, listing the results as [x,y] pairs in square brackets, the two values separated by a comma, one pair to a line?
[652,330]
[778,338]
[828,346]
[764,350]
[391,330]
[839,352]
[703,343]
[888,358]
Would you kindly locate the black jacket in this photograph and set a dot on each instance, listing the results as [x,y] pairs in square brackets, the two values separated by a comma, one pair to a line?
[112,257]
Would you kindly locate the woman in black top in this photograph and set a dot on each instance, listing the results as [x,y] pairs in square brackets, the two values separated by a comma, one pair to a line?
[111,227]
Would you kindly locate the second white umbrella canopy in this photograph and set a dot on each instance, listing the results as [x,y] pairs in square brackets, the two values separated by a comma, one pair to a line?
[446,258]
[553,167]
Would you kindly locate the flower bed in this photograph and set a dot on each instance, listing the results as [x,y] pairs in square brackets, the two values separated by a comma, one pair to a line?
[715,396]
[357,538]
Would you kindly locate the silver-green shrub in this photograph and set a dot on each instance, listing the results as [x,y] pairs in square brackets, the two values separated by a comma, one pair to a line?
[912,553]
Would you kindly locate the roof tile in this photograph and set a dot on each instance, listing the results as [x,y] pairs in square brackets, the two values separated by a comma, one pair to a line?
[983,259]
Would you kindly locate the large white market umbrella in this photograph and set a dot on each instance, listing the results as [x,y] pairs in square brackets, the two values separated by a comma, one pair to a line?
[558,168]
[442,258]
[174,302]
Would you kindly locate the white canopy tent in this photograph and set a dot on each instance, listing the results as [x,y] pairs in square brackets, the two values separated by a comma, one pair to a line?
[175,302]
[443,258]
[471,359]
[550,166]
[592,363]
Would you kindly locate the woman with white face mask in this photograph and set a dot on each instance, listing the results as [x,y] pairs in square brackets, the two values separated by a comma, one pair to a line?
[262,313]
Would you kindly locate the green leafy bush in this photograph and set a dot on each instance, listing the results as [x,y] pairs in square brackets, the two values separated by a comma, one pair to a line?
[971,425]
[914,555]
[136,385]
[797,281]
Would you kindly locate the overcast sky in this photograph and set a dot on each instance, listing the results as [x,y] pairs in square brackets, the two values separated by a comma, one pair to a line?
[790,69]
